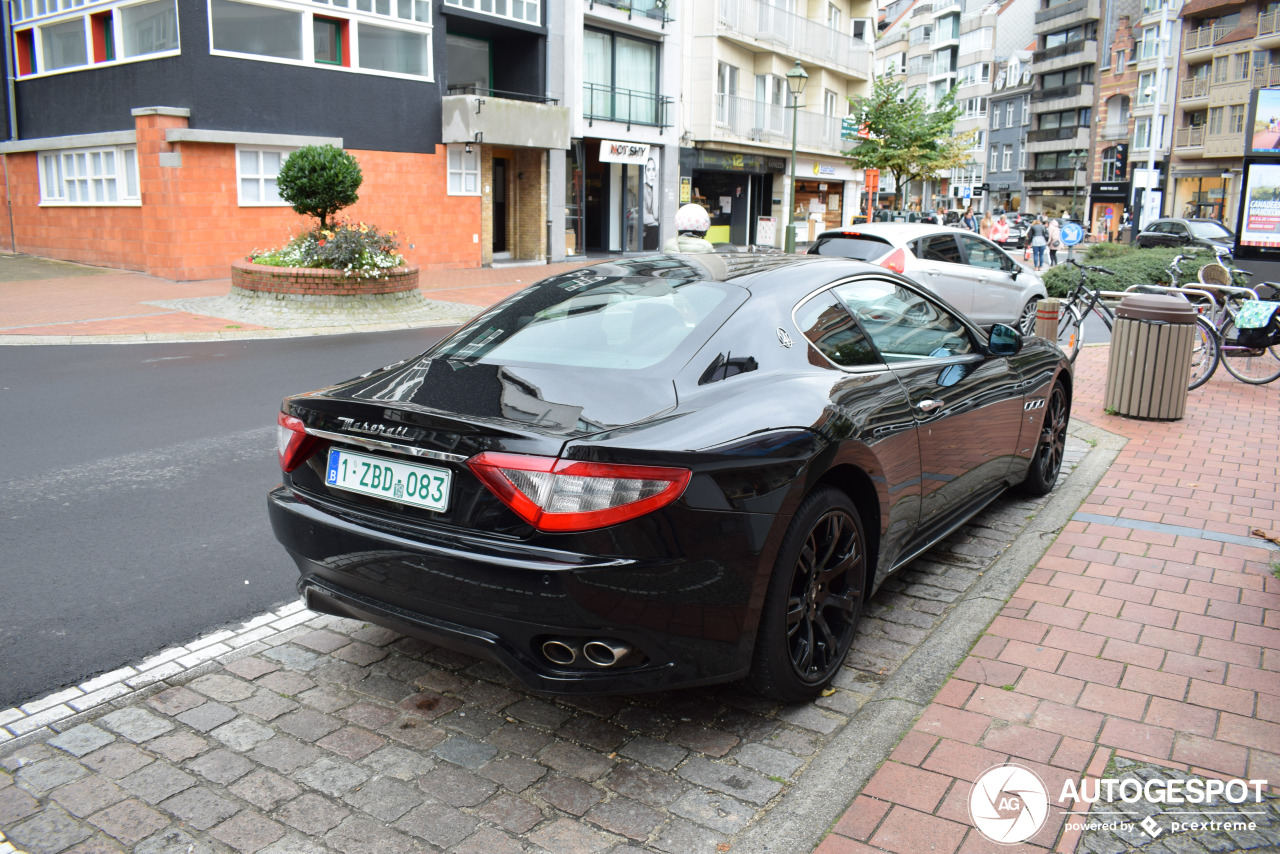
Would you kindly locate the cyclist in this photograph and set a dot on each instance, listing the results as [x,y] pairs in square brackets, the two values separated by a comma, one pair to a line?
[692,222]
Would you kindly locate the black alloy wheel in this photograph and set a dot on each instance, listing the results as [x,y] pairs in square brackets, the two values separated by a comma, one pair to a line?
[1047,462]
[814,600]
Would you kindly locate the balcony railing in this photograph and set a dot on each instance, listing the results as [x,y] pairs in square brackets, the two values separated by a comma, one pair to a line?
[1268,24]
[1194,87]
[655,9]
[1204,37]
[1115,133]
[1192,137]
[795,34]
[486,92]
[1266,76]
[1052,134]
[770,124]
[1057,92]
[1062,9]
[1061,50]
[1043,175]
[610,103]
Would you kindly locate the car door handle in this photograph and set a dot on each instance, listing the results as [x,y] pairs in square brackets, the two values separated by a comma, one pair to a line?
[928,404]
[934,272]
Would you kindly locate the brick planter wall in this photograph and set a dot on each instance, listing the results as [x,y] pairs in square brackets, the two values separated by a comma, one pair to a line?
[308,282]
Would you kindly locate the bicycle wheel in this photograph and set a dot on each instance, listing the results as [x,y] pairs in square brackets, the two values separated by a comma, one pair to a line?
[1253,366]
[1070,331]
[1205,353]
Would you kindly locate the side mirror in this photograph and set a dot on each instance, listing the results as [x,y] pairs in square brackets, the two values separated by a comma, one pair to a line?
[1004,340]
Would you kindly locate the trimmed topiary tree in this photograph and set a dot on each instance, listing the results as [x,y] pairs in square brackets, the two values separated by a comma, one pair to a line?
[319,181]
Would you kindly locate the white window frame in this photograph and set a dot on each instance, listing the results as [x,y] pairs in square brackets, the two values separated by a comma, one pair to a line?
[1007,158]
[58,186]
[353,18]
[488,7]
[455,183]
[70,10]
[994,165]
[261,177]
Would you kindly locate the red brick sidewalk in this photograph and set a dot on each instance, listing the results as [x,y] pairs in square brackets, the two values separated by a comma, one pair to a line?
[1142,642]
[98,301]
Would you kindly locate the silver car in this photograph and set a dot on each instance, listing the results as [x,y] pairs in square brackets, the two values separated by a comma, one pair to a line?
[973,274]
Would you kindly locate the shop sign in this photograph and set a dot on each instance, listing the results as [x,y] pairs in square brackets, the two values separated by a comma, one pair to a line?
[1118,190]
[623,152]
[823,169]
[728,161]
[686,190]
[1002,186]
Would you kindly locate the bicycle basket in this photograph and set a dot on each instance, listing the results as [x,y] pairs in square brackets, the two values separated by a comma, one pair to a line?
[1258,324]
[1215,274]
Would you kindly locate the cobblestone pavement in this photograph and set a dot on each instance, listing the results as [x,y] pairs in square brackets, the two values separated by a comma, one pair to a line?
[1217,825]
[320,734]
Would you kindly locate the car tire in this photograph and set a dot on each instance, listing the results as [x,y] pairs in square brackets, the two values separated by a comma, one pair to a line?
[1046,461]
[814,599]
[1027,318]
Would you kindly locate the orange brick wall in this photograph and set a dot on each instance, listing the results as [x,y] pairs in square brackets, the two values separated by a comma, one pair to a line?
[190,225]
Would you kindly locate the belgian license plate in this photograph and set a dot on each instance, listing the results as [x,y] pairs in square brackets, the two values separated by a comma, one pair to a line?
[407,483]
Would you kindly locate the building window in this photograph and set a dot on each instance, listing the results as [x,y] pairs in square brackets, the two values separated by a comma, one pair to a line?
[1022,155]
[726,94]
[515,10]
[994,164]
[1235,122]
[464,170]
[148,28]
[1113,165]
[1008,114]
[1215,120]
[402,47]
[1026,110]
[117,32]
[1006,162]
[1146,88]
[621,78]
[257,170]
[90,176]
[1220,69]
[63,45]
[1142,132]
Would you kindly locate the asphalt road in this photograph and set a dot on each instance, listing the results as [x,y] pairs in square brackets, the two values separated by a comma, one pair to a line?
[133,483]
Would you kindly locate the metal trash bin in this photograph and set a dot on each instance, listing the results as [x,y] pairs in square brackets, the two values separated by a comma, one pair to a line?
[1150,362]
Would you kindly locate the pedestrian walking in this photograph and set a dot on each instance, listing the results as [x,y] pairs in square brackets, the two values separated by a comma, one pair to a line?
[1000,230]
[1055,241]
[984,227]
[968,221]
[1039,235]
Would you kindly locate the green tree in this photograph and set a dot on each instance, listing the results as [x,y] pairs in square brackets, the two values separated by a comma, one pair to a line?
[319,181]
[908,140]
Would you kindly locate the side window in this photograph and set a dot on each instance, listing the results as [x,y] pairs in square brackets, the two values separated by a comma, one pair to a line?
[1177,229]
[982,254]
[940,247]
[828,326]
[903,325]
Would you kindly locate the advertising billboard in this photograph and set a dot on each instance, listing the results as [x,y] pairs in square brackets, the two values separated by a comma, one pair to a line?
[1264,139]
[1258,232]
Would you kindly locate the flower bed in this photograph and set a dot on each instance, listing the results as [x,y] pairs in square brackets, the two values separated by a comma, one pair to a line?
[259,279]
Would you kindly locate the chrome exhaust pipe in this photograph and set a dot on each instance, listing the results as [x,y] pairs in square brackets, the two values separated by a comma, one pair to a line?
[559,652]
[605,653]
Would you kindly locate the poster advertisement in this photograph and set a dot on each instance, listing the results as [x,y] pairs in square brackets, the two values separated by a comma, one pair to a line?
[1260,221]
[1266,124]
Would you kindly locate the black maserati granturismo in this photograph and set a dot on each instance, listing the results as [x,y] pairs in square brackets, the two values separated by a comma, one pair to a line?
[664,471]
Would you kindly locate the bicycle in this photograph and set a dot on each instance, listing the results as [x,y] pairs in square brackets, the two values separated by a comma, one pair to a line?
[1082,300]
[1251,355]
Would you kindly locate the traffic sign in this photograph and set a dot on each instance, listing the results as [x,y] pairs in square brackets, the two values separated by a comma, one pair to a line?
[849,128]
[1072,233]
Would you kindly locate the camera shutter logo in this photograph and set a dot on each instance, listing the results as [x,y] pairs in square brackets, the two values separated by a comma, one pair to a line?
[1008,804]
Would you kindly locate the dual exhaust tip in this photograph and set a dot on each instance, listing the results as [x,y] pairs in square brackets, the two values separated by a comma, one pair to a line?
[598,653]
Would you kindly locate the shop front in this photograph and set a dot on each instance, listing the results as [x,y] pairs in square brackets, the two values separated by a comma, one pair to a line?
[738,190]
[1108,208]
[612,196]
[1005,197]
[828,195]
[1199,193]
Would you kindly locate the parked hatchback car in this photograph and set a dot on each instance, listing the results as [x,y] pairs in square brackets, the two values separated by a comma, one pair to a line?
[1207,233]
[664,471]
[967,270]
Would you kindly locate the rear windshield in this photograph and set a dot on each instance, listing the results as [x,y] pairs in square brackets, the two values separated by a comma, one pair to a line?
[860,248]
[613,324]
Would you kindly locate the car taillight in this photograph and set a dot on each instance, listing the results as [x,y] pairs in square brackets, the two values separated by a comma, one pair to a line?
[292,441]
[572,495]
[895,261]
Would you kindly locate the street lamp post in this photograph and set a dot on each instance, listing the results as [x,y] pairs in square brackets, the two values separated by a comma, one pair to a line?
[796,78]
[1077,157]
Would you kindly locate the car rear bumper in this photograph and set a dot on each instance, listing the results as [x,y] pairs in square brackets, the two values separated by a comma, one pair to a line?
[689,619]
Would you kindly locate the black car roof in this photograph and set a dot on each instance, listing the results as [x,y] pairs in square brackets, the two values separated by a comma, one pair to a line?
[743,269]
